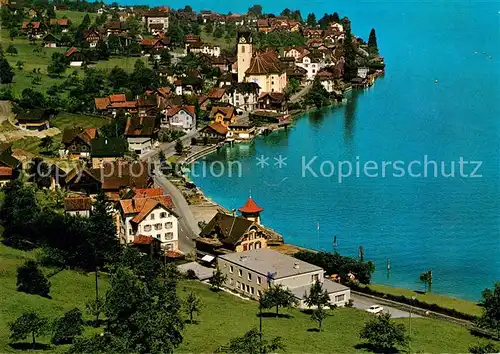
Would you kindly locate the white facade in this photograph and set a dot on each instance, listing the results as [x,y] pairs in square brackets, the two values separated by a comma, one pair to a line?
[139,145]
[328,84]
[181,121]
[311,66]
[244,101]
[163,20]
[159,223]
[208,49]
[81,213]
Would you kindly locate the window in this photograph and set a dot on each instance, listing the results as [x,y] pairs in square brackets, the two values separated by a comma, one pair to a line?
[170,246]
[339,298]
[249,276]
[242,287]
[163,215]
[240,273]
[251,290]
[258,280]
[147,228]
[238,284]
[248,288]
[158,236]
[314,278]
[152,216]
[168,225]
[259,292]
[231,269]
[243,49]
[130,231]
[158,226]
[169,235]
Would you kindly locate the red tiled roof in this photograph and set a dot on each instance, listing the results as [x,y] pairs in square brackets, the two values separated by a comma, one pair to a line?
[125,104]
[228,112]
[264,63]
[101,103]
[219,128]
[139,202]
[250,207]
[6,171]
[147,192]
[176,109]
[143,240]
[36,25]
[71,51]
[173,254]
[59,21]
[216,93]
[118,97]
[77,204]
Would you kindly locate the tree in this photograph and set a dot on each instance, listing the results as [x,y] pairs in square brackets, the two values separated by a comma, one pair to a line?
[26,324]
[68,327]
[251,343]
[383,333]
[31,99]
[165,57]
[483,348]
[350,66]
[219,31]
[6,73]
[58,65]
[85,22]
[39,172]
[319,316]
[51,12]
[11,50]
[102,50]
[372,42]
[31,280]
[255,10]
[46,142]
[311,20]
[179,147]
[276,297]
[13,33]
[20,65]
[317,95]
[217,280]
[193,305]
[209,27]
[118,78]
[94,308]
[114,43]
[426,278]
[490,303]
[317,297]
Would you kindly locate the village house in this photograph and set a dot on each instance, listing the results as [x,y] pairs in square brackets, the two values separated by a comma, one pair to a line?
[139,132]
[92,36]
[229,233]
[252,272]
[244,96]
[149,213]
[63,24]
[8,164]
[203,48]
[191,39]
[50,41]
[180,118]
[312,62]
[76,141]
[105,150]
[213,133]
[80,206]
[114,103]
[222,115]
[263,25]
[295,52]
[75,57]
[297,73]
[218,94]
[147,106]
[113,177]
[241,131]
[155,17]
[34,119]
[188,85]
[284,24]
[272,102]
[33,29]
[152,46]
[115,27]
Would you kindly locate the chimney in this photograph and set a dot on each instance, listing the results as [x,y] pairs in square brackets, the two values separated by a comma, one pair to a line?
[295,266]
[243,258]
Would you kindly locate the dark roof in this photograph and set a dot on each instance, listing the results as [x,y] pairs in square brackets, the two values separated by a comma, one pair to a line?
[265,63]
[275,97]
[108,147]
[77,204]
[140,126]
[6,157]
[247,87]
[229,229]
[33,115]
[87,134]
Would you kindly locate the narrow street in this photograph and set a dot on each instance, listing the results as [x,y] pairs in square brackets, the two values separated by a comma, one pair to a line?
[297,96]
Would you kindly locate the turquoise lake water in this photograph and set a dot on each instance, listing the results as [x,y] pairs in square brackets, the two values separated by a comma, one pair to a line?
[449,225]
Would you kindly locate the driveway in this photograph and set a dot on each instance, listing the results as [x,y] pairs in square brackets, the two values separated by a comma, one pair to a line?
[363,303]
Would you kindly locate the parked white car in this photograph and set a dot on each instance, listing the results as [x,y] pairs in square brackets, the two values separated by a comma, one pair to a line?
[375,309]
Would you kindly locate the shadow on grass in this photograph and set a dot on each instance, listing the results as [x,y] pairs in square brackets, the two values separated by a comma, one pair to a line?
[374,349]
[195,322]
[274,315]
[92,323]
[317,330]
[29,346]
[22,245]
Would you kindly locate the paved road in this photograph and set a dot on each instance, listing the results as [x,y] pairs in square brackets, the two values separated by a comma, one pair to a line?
[297,96]
[188,227]
[361,302]
[167,148]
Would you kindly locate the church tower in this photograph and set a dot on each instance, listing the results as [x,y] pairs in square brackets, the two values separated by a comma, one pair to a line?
[245,51]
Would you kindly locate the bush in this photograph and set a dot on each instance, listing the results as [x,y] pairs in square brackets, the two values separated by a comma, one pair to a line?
[68,327]
[190,274]
[31,280]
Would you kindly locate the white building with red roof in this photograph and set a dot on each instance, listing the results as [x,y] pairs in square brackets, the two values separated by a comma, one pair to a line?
[149,212]
[251,211]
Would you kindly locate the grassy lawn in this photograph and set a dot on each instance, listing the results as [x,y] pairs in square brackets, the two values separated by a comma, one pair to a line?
[69,290]
[67,120]
[464,306]
[225,316]
[75,17]
[221,42]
